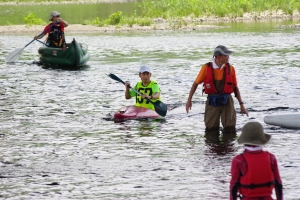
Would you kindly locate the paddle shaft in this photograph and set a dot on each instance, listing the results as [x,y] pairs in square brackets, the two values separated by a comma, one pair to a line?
[13,56]
[136,91]
[118,79]
[42,42]
[39,36]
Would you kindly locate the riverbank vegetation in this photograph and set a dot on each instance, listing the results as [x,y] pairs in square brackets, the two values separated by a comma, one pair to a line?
[118,18]
[220,8]
[179,10]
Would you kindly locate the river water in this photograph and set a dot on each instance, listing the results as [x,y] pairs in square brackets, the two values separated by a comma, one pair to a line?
[57,139]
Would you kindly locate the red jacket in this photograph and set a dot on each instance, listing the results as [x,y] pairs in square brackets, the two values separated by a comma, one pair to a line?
[209,85]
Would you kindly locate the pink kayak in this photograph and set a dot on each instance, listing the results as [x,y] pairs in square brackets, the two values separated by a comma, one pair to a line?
[134,112]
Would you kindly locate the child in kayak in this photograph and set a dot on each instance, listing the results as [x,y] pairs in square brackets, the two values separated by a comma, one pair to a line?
[254,172]
[147,87]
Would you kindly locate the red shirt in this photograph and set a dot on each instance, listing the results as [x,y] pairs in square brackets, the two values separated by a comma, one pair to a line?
[47,29]
[239,167]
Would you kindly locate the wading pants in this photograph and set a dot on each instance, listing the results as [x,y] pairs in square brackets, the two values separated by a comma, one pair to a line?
[226,113]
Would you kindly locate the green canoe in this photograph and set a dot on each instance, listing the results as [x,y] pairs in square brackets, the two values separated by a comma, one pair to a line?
[74,56]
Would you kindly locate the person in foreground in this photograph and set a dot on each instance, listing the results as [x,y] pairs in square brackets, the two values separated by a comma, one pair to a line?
[254,173]
[55,30]
[219,82]
[147,87]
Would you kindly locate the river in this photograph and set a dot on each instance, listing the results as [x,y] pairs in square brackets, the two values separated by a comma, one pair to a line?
[57,139]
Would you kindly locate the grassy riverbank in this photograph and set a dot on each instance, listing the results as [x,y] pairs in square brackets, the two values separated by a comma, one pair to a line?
[182,8]
[21,2]
[220,8]
[180,13]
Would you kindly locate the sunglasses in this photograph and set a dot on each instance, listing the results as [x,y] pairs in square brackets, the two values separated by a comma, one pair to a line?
[57,16]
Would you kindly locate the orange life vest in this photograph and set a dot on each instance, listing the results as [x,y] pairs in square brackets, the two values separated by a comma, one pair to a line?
[259,179]
[209,85]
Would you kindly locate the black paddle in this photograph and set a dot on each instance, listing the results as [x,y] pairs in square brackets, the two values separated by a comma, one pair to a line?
[159,106]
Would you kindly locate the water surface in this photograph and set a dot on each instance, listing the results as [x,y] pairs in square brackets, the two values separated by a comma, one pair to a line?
[58,142]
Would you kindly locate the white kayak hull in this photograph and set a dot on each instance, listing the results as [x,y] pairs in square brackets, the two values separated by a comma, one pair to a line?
[288,120]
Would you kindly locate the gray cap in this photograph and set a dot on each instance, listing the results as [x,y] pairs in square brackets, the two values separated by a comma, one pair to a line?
[222,50]
[145,69]
[53,14]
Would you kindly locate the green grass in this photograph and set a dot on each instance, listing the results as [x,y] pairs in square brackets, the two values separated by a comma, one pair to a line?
[220,8]
[176,10]
[34,1]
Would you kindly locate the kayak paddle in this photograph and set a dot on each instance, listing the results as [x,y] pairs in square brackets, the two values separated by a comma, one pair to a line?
[159,106]
[14,55]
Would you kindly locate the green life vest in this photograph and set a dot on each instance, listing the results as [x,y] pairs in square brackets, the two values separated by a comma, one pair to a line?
[150,89]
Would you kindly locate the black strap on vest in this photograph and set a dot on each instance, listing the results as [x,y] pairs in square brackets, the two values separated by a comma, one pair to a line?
[253,186]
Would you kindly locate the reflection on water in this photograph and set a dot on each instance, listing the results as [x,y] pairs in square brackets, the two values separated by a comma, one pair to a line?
[56,141]
[220,143]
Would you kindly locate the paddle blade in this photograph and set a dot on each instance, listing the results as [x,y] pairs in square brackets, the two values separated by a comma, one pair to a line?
[160,108]
[112,76]
[14,55]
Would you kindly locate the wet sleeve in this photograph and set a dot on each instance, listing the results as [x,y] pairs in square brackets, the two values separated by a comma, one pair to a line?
[62,26]
[47,29]
[201,75]
[235,177]
[278,182]
[132,93]
[155,88]
[233,75]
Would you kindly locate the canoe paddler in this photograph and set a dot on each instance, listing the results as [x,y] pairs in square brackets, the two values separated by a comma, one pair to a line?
[147,87]
[55,31]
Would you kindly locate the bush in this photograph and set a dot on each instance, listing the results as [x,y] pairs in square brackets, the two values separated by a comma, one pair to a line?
[115,18]
[32,20]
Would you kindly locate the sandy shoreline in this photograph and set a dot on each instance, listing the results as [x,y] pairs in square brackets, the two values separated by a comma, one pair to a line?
[78,28]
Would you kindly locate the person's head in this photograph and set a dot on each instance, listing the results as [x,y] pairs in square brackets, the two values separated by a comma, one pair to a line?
[54,15]
[253,135]
[145,74]
[221,54]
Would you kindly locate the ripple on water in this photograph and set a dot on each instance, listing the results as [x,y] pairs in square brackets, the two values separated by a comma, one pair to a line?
[57,141]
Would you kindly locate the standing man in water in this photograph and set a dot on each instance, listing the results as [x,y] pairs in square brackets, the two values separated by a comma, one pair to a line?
[219,82]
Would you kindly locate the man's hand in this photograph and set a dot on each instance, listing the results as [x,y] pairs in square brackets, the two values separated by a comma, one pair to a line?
[243,110]
[188,106]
